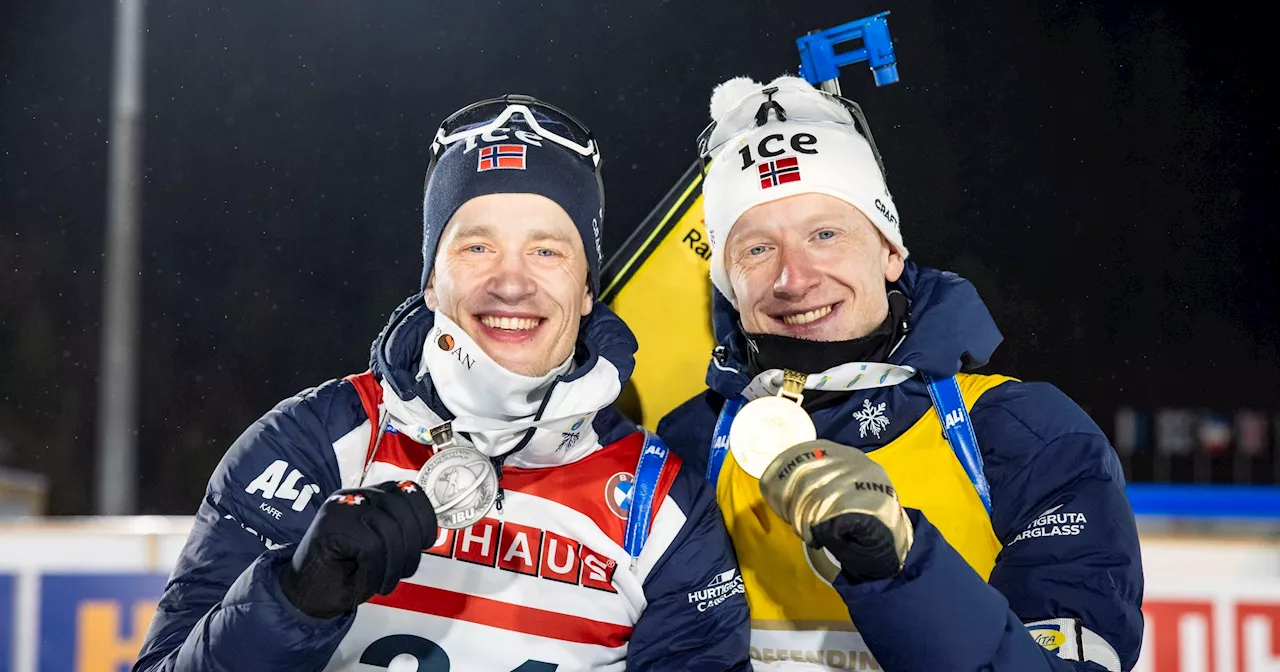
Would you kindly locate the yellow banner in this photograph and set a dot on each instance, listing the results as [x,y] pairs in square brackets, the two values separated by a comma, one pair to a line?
[659,284]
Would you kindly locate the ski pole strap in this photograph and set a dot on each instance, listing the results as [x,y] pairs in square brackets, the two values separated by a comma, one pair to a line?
[957,427]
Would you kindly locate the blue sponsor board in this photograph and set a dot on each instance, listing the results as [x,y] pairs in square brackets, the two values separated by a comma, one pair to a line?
[1205,501]
[7,620]
[95,622]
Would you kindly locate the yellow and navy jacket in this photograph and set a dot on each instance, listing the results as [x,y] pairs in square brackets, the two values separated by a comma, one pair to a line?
[1049,579]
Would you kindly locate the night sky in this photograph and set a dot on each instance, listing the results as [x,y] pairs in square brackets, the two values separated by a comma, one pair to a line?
[1104,172]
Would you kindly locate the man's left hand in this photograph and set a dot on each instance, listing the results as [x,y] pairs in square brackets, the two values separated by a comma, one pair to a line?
[839,499]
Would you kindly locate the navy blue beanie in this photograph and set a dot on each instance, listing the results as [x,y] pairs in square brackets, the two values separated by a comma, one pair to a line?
[511,166]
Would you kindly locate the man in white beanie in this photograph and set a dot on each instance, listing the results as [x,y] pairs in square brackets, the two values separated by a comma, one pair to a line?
[942,519]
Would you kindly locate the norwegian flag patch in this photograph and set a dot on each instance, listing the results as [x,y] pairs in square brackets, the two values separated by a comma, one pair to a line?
[782,171]
[494,157]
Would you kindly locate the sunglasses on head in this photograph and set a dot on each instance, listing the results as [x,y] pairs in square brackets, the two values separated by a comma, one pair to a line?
[527,119]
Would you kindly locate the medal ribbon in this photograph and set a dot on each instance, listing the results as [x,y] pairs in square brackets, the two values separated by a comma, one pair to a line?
[843,378]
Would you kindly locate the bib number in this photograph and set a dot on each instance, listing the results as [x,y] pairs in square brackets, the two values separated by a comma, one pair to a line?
[427,655]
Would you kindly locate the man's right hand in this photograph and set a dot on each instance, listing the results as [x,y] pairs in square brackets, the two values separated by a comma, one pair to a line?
[361,543]
[835,497]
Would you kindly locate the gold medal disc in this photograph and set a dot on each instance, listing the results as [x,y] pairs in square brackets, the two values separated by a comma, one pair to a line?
[764,428]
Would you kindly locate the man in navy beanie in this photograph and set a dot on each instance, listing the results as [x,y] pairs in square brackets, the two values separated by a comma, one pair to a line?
[473,500]
[468,169]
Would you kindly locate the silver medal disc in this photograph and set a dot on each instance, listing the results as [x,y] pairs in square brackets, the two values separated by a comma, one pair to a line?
[764,428]
[461,484]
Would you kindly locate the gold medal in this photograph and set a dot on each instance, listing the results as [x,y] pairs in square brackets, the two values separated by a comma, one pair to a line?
[769,425]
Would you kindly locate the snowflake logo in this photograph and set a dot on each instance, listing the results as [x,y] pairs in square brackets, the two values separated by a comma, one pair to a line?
[871,418]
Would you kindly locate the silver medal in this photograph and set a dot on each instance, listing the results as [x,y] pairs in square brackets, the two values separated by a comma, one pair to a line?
[461,484]
[764,428]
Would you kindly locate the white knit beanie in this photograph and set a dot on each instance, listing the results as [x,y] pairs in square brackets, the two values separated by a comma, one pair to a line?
[817,150]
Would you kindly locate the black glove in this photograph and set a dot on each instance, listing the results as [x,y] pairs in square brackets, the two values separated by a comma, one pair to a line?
[837,498]
[361,542]
[865,548]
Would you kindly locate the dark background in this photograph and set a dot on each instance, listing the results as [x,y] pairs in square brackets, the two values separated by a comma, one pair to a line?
[1104,172]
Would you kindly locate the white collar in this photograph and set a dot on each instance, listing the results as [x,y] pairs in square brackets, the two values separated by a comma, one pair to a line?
[496,408]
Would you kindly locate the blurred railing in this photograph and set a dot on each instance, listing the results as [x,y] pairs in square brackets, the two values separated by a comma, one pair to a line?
[78,593]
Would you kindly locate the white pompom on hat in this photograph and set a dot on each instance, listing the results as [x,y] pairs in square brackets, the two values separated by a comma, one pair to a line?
[728,93]
[831,157]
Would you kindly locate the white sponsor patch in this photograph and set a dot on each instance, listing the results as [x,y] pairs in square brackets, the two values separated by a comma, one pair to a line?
[721,587]
[278,482]
[1053,524]
[1067,639]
